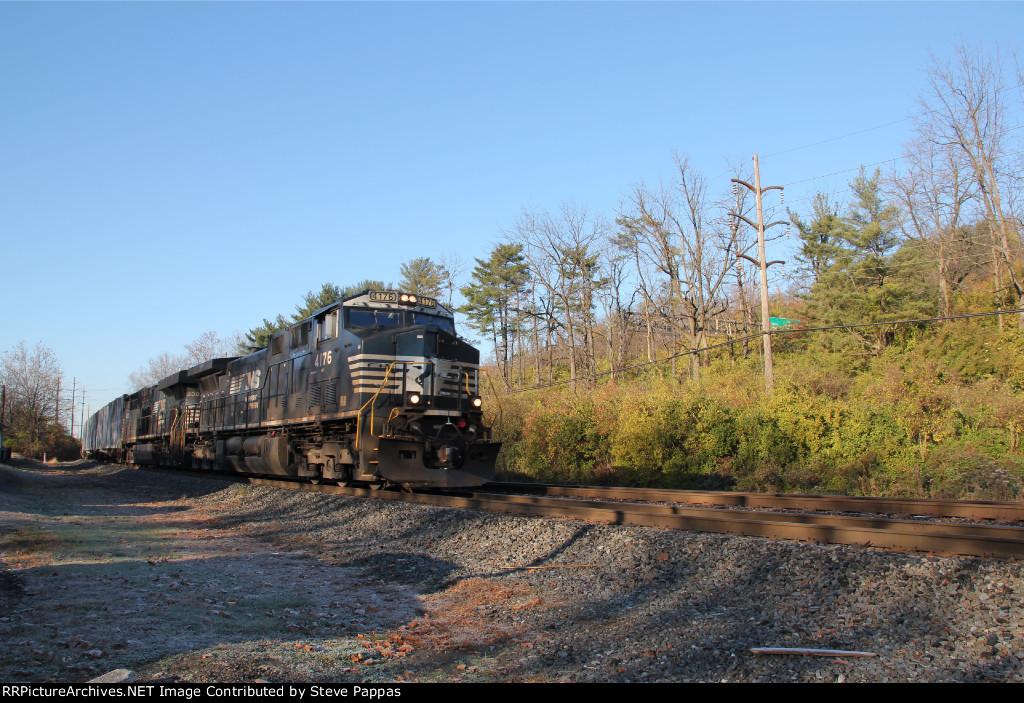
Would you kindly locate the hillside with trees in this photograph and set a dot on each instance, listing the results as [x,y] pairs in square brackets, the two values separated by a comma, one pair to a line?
[627,349]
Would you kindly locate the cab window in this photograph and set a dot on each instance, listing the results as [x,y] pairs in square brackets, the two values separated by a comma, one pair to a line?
[372,318]
[419,318]
[327,327]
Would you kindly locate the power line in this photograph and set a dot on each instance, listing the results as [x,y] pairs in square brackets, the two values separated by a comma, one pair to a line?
[856,168]
[923,109]
[847,170]
[748,337]
[841,136]
[898,322]
[877,163]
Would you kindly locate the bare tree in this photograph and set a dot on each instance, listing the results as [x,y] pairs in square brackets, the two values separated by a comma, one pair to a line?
[156,369]
[676,234]
[613,267]
[628,240]
[452,270]
[933,194]
[965,107]
[561,251]
[206,346]
[32,379]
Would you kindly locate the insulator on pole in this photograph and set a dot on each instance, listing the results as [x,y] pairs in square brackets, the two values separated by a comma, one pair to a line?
[782,197]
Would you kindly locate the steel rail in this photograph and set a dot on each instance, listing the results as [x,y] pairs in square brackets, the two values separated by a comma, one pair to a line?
[1003,511]
[998,541]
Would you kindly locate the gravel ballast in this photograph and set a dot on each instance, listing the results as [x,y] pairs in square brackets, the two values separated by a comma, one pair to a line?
[299,586]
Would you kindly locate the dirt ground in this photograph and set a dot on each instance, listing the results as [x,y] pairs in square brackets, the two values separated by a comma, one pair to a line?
[180,579]
[104,568]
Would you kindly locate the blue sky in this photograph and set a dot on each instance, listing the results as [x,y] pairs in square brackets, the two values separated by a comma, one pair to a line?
[172,168]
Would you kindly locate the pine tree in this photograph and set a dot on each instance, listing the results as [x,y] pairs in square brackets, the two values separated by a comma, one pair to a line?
[820,237]
[492,297]
[422,276]
[861,284]
[259,337]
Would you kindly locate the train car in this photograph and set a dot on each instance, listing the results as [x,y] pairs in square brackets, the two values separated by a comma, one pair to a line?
[376,388]
[101,435]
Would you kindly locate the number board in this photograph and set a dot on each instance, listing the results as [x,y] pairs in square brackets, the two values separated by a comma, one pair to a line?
[386,296]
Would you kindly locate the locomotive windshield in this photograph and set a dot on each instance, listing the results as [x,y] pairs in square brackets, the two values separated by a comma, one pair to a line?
[374,318]
[370,318]
[419,318]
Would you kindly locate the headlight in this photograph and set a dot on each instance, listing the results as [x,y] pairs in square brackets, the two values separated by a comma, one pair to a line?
[414,398]
[477,402]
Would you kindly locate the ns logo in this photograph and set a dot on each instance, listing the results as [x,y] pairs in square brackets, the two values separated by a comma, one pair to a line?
[253,378]
[245,382]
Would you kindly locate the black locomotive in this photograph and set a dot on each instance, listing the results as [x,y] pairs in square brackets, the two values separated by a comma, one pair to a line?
[375,388]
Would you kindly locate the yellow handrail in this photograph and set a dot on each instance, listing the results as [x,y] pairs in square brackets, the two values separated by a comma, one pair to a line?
[359,415]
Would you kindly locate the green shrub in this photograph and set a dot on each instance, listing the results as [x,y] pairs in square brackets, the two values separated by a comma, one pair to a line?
[937,414]
[560,440]
[680,439]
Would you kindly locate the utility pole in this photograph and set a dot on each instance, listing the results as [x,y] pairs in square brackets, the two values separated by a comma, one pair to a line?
[74,380]
[763,264]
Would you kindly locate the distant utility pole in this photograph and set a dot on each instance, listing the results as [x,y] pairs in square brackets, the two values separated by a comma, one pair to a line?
[763,264]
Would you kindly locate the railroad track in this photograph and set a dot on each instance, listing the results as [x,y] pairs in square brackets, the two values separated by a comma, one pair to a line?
[803,520]
[1002,511]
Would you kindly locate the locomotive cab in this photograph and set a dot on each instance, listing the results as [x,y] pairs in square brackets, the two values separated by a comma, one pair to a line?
[434,432]
[423,418]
